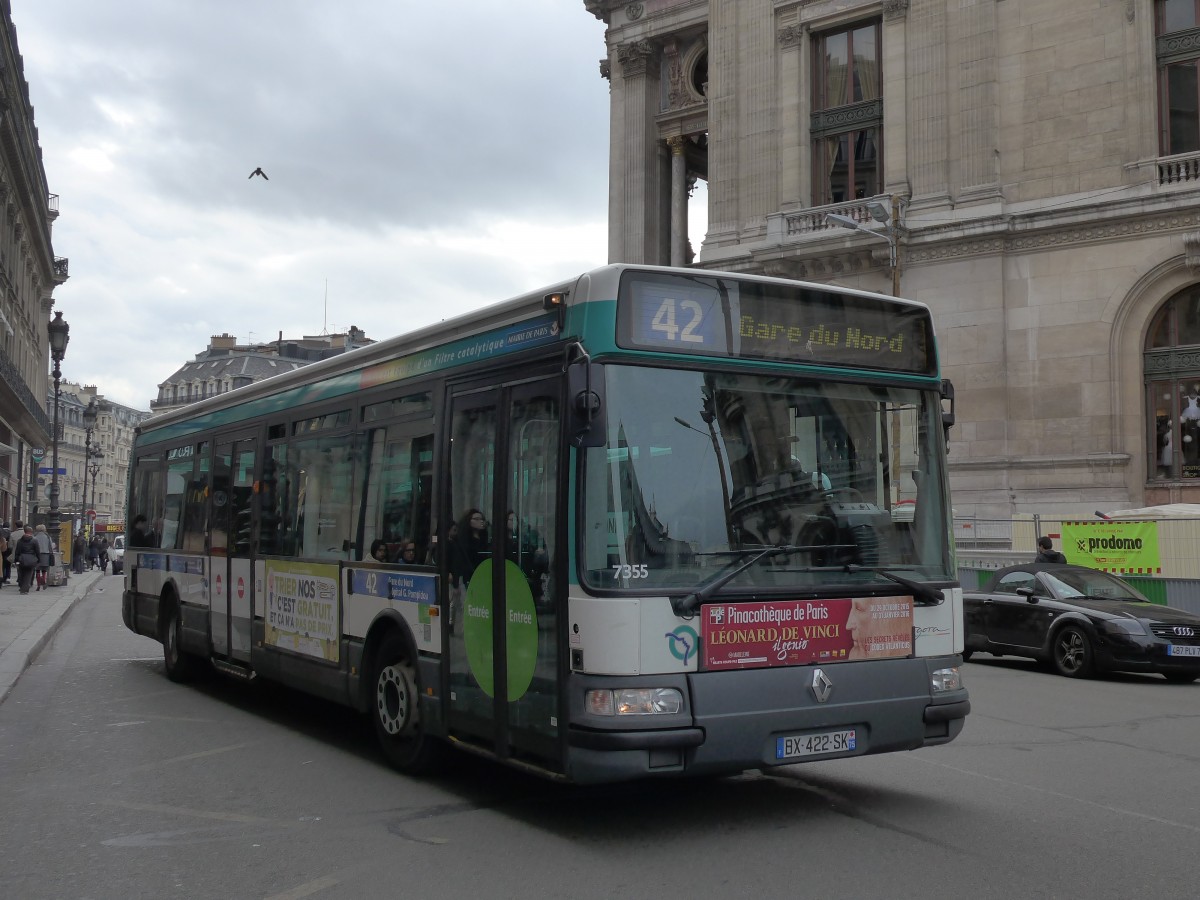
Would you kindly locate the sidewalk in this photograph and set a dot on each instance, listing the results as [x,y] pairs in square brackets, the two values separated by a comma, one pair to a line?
[28,621]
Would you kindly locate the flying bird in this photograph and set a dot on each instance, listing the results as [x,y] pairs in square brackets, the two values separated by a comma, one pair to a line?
[259,171]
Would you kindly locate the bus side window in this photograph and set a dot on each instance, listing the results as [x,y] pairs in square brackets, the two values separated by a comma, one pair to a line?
[273,503]
[148,494]
[179,477]
[396,493]
[323,470]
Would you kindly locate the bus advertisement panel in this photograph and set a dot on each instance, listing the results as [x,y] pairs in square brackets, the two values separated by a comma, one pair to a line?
[302,612]
[796,633]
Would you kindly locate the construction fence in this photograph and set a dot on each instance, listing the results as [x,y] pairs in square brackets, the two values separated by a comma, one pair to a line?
[1165,565]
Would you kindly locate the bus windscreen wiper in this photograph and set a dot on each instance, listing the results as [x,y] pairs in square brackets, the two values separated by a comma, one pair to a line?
[923,594]
[687,605]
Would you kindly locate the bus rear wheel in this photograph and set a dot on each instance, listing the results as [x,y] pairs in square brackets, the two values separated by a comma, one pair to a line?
[396,709]
[180,665]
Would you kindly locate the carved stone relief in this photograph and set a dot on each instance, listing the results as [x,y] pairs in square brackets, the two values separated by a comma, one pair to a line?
[635,57]
[1191,250]
[789,36]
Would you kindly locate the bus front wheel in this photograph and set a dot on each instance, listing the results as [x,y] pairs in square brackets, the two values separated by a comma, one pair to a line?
[396,710]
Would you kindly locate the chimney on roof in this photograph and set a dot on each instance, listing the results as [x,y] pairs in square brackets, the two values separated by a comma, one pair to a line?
[222,342]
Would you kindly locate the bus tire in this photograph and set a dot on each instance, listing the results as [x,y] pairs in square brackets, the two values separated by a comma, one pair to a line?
[180,665]
[395,706]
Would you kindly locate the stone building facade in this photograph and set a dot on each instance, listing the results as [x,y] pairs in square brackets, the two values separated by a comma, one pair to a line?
[94,465]
[29,273]
[226,365]
[1034,164]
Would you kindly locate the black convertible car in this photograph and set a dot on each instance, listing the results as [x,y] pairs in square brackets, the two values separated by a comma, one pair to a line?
[1080,620]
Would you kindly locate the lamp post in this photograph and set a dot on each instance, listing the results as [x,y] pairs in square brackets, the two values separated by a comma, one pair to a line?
[89,422]
[59,332]
[94,467]
[892,228]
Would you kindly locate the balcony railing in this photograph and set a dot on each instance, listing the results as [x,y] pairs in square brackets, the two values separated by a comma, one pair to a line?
[52,205]
[1179,169]
[16,383]
[810,223]
[61,265]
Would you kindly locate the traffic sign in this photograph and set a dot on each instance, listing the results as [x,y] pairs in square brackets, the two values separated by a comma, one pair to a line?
[37,453]
[91,514]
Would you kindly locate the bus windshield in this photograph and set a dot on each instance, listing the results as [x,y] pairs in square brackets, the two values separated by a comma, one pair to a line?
[702,469]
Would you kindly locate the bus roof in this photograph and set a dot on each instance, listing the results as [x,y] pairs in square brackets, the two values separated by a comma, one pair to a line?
[597,284]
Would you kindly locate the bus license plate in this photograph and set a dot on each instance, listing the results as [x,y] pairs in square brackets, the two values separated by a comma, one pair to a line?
[1181,650]
[794,746]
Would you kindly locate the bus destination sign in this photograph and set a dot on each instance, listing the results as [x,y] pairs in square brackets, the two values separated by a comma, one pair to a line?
[710,316]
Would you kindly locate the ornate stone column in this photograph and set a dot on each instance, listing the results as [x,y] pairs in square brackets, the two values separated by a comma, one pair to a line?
[928,76]
[679,221]
[895,97]
[634,219]
[973,40]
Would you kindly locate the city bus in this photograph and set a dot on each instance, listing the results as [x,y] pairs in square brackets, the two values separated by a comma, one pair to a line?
[645,522]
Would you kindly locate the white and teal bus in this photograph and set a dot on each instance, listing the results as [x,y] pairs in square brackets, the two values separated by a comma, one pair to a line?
[646,522]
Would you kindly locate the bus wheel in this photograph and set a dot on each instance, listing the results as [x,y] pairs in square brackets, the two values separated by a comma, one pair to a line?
[181,666]
[396,709]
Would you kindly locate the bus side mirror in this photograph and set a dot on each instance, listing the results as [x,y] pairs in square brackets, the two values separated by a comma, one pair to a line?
[947,415]
[585,400]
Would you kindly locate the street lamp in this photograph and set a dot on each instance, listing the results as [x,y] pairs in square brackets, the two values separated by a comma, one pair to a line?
[89,422]
[59,332]
[97,455]
[891,232]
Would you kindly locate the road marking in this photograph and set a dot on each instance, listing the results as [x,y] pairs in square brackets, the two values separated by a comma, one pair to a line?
[1059,794]
[190,756]
[307,889]
[194,813]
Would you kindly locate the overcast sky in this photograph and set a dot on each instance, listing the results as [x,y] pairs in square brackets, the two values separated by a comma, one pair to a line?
[424,159]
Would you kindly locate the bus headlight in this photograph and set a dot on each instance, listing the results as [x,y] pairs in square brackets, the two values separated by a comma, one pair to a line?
[944,680]
[635,702]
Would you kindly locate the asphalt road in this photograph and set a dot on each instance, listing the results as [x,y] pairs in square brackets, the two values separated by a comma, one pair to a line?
[115,782]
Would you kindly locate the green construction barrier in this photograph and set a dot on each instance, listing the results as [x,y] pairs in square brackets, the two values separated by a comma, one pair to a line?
[1155,589]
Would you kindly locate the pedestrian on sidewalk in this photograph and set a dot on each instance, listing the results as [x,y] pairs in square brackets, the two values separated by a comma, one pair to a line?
[10,538]
[45,555]
[25,553]
[78,553]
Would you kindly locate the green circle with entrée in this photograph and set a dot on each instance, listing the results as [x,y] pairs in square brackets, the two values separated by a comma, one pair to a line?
[520,632]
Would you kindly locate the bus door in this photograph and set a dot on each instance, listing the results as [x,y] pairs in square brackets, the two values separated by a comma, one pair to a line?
[500,534]
[231,576]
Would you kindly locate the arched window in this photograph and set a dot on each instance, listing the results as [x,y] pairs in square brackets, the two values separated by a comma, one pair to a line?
[1171,362]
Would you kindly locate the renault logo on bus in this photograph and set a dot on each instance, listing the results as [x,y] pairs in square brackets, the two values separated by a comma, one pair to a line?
[822,687]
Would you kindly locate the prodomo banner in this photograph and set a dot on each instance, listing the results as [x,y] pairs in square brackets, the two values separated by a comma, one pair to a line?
[1128,547]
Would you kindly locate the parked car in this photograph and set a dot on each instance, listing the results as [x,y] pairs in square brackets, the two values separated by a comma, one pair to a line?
[1079,621]
[116,555]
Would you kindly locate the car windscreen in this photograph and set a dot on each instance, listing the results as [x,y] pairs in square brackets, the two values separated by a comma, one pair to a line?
[1068,583]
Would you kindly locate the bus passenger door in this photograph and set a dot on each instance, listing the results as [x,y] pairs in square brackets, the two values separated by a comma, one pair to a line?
[230,579]
[503,659]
